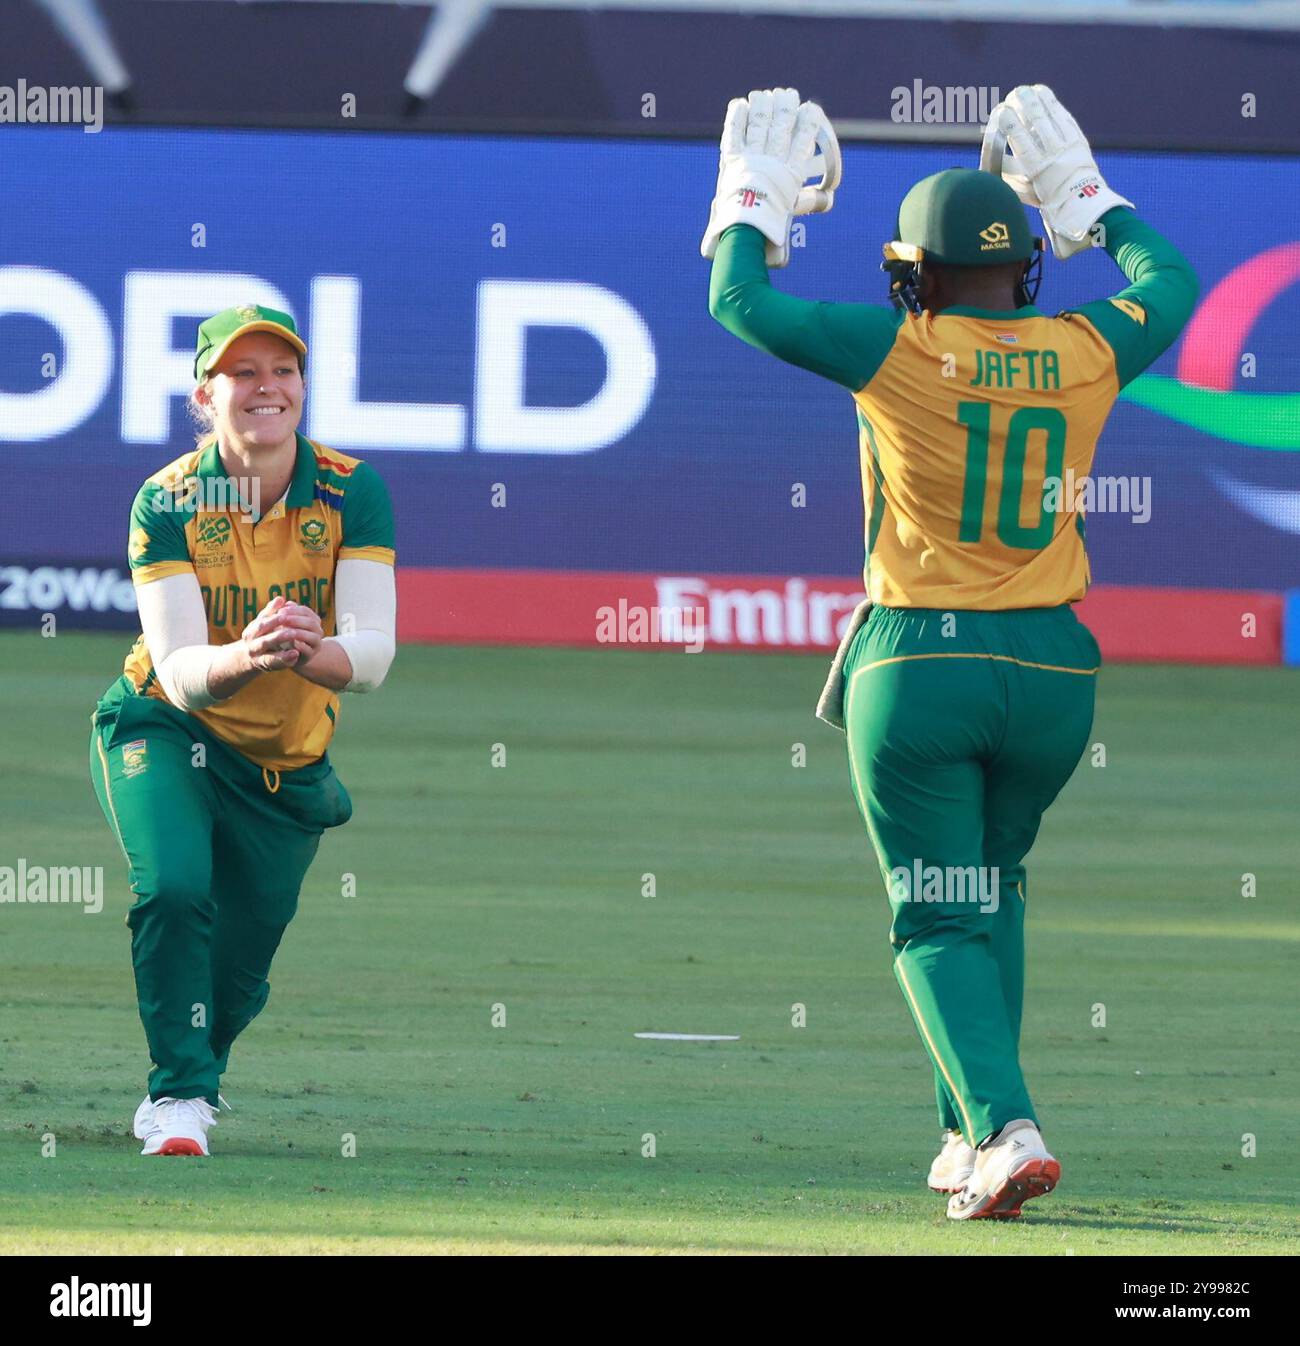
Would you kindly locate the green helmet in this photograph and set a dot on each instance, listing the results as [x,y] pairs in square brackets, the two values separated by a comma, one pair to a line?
[960,217]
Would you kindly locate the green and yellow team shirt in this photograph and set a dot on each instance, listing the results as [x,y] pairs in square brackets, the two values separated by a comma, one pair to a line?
[186,520]
[976,428]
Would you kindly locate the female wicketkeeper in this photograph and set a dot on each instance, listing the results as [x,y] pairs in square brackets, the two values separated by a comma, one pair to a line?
[965,683]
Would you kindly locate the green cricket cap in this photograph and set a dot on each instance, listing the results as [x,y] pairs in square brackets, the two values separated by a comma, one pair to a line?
[216,334]
[964,217]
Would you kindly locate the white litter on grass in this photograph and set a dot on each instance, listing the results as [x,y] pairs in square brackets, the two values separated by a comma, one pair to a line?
[690,1037]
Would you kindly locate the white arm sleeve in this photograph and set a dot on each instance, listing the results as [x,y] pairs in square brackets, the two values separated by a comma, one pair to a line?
[176,634]
[365,612]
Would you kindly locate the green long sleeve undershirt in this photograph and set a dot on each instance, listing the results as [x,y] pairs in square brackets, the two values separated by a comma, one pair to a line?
[848,343]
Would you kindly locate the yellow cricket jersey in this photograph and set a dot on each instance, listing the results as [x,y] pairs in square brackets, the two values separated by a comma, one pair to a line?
[972,432]
[186,519]
[976,429]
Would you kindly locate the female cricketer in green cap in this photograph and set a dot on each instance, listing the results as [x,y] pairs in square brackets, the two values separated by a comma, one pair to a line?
[964,683]
[263,569]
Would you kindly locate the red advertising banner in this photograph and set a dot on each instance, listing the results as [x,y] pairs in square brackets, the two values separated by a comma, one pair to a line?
[1185,626]
[790,613]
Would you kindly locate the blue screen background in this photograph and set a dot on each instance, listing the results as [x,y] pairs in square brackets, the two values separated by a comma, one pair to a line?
[703,480]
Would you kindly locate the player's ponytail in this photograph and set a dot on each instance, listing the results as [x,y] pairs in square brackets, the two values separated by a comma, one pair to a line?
[202,415]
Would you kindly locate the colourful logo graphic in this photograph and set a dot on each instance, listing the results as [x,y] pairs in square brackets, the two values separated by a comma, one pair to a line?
[314,536]
[1202,395]
[134,758]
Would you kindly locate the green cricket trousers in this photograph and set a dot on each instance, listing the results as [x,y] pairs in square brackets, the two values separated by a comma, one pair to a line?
[216,849]
[962,728]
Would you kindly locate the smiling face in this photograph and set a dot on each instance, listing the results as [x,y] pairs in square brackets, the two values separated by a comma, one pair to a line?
[255,391]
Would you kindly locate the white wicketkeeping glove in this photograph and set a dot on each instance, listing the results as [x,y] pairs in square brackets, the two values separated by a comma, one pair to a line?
[769,149]
[1052,167]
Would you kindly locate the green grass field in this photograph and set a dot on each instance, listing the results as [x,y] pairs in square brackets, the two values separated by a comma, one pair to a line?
[522,886]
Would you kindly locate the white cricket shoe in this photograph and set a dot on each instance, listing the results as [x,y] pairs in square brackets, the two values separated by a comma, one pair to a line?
[144,1124]
[1010,1168]
[175,1125]
[953,1164]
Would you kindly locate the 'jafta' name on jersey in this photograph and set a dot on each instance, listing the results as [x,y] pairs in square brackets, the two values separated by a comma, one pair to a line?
[1036,370]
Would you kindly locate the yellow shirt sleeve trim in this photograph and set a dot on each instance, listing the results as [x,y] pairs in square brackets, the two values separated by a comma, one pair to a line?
[386,555]
[161,570]
[1131,310]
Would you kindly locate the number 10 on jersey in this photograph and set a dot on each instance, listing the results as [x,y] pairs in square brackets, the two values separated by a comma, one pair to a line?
[977,418]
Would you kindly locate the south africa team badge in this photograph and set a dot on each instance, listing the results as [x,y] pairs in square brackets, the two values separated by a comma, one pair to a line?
[314,536]
[134,758]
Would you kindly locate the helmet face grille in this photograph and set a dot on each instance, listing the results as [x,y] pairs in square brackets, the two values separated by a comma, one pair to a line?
[904,285]
[1027,290]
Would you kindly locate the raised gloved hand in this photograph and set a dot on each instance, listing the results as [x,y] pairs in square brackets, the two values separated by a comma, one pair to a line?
[1039,150]
[770,144]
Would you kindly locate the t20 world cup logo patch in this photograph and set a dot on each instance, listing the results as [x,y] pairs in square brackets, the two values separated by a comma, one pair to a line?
[214,532]
[212,541]
[134,758]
